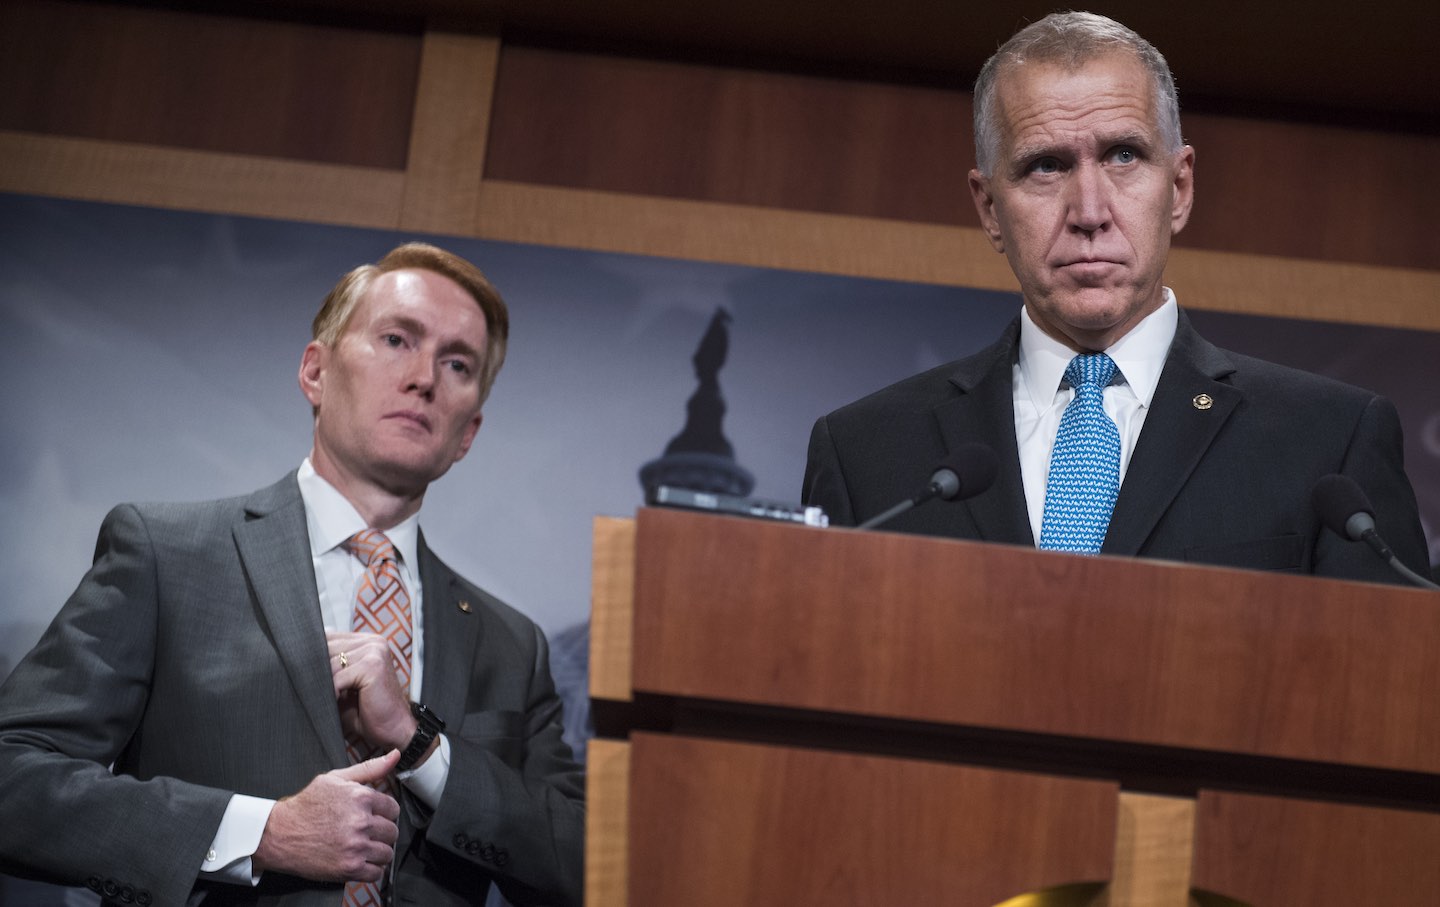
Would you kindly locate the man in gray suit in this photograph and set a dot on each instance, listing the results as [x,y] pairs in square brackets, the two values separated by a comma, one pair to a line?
[208,720]
[1082,178]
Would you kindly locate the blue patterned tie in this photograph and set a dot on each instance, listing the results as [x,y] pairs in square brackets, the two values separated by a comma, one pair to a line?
[1085,464]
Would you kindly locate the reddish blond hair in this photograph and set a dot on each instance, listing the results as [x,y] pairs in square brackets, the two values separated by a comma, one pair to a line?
[334,315]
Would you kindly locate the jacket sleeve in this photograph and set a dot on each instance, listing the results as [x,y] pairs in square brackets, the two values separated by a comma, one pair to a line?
[824,485]
[1375,460]
[68,712]
[513,809]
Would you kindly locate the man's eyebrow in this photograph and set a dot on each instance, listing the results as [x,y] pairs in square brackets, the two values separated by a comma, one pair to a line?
[1033,150]
[1026,152]
[460,346]
[1136,137]
[413,326]
[403,322]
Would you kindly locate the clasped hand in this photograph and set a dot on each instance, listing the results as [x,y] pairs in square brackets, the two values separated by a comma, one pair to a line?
[340,828]
[373,707]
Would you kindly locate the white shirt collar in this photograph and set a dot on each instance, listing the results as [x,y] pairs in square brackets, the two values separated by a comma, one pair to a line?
[332,519]
[1139,355]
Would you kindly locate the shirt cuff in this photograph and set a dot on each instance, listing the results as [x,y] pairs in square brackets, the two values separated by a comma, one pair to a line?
[228,859]
[427,780]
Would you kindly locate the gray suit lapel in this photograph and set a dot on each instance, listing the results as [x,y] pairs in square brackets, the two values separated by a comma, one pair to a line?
[1177,433]
[274,546]
[452,623]
[985,411]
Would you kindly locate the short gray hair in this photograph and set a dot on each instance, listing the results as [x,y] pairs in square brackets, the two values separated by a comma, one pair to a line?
[1070,40]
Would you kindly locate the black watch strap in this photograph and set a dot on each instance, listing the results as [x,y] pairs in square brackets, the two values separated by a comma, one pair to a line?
[428,727]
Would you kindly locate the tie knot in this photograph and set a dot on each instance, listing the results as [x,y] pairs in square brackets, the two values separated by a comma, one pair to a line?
[371,546]
[1094,369]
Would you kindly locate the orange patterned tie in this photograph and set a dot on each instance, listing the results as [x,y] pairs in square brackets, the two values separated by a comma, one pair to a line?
[382,606]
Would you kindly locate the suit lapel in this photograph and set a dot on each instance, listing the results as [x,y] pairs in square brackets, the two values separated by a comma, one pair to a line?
[452,624]
[274,547]
[985,409]
[1179,429]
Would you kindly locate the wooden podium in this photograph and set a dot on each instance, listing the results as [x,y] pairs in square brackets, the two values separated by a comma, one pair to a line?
[798,716]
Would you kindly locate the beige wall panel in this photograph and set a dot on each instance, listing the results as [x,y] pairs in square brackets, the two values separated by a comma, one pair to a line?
[766,237]
[872,247]
[199,181]
[1299,288]
[613,222]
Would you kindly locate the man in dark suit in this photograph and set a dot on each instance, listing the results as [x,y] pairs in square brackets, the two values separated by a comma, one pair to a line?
[235,707]
[1082,178]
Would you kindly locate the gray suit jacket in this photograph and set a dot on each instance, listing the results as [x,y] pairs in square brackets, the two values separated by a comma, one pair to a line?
[192,656]
[1228,485]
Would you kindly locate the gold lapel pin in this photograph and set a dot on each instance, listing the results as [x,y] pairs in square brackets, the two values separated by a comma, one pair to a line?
[463,606]
[1203,401]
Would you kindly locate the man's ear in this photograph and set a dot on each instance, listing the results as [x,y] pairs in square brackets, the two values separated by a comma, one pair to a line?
[1183,193]
[985,207]
[468,437]
[312,371]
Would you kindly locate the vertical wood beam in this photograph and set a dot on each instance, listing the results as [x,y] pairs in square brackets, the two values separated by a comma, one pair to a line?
[1154,846]
[607,820]
[448,137]
[612,608]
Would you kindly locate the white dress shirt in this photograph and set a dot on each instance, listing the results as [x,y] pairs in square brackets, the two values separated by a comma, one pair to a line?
[331,520]
[1041,393]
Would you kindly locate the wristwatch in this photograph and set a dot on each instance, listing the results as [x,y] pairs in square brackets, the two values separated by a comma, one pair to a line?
[428,727]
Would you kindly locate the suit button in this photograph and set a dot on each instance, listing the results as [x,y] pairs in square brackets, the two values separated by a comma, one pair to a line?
[110,889]
[487,853]
[502,859]
[473,848]
[127,894]
[93,883]
[460,840]
[142,897]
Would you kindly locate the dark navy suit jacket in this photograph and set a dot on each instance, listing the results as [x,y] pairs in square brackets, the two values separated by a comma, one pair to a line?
[1228,483]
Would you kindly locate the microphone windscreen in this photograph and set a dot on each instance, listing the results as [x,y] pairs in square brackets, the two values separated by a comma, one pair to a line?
[1337,498]
[974,466]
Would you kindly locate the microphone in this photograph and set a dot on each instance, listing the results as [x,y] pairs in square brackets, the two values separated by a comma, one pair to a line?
[1344,508]
[968,470]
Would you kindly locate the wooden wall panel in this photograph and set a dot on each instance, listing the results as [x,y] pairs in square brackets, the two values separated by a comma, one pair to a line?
[745,137]
[203,82]
[784,150]
[1341,195]
[870,149]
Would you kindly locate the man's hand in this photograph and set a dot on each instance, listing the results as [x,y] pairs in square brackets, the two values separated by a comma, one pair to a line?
[335,830]
[372,704]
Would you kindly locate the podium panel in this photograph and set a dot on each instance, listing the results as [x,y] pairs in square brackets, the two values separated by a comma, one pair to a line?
[801,716]
[736,823]
[1271,850]
[1005,637]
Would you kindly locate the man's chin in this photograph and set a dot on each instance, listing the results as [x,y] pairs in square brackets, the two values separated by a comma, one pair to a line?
[409,478]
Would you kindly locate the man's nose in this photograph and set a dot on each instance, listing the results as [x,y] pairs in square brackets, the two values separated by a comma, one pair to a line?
[422,375]
[1088,207]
